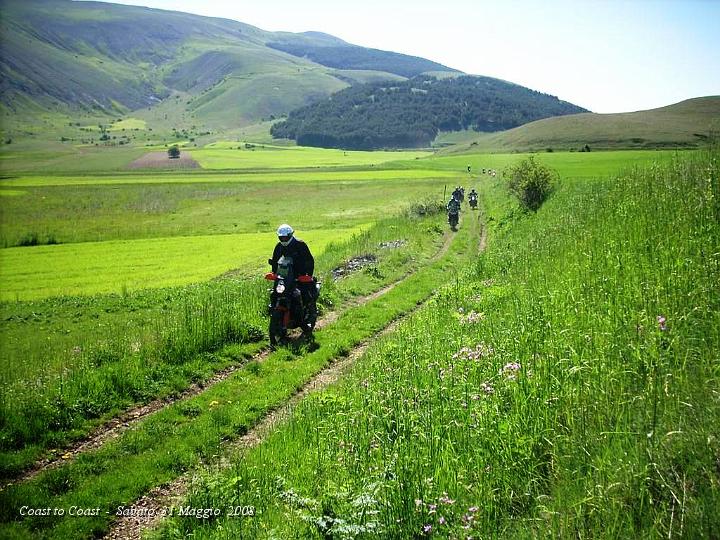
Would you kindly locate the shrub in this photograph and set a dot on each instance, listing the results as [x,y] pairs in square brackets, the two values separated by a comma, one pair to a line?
[174,151]
[531,182]
[425,207]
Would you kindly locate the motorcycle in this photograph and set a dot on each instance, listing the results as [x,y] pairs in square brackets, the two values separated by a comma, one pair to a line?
[473,202]
[453,220]
[292,301]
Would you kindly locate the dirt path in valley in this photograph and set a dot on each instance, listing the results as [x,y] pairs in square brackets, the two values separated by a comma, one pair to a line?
[116,426]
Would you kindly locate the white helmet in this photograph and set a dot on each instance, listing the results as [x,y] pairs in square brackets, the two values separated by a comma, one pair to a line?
[285,230]
[285,233]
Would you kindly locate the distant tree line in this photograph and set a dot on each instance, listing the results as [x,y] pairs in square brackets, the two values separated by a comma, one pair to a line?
[411,113]
[355,57]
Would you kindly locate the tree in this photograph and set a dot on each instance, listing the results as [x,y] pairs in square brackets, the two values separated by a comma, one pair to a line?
[174,151]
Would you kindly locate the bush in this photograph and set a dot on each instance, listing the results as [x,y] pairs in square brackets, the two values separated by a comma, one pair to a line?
[425,207]
[174,151]
[531,182]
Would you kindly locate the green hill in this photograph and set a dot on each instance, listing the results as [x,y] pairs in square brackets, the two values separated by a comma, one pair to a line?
[689,123]
[62,61]
[412,112]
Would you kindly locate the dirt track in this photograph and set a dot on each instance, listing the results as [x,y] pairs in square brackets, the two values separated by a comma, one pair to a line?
[115,427]
[160,160]
[151,506]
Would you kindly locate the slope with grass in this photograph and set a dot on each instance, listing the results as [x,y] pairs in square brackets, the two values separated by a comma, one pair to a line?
[73,64]
[688,124]
[565,387]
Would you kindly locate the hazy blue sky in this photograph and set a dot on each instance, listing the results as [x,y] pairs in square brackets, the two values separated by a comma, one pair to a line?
[607,56]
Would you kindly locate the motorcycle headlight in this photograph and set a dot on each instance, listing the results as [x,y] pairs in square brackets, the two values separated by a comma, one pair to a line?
[280,288]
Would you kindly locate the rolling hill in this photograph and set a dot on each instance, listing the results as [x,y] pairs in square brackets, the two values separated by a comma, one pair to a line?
[98,59]
[693,122]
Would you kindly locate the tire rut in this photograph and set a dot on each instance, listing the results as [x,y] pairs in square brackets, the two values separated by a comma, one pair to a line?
[148,511]
[128,419]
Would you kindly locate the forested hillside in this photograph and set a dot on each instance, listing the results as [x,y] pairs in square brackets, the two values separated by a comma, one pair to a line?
[332,52]
[411,113]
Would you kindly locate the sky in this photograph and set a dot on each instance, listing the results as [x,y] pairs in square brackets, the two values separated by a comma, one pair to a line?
[605,55]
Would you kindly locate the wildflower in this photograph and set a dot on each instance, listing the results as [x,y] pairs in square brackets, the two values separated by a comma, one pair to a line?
[441,521]
[510,370]
[418,502]
[432,508]
[480,351]
[661,323]
[446,500]
[487,388]
[427,529]
[473,509]
[472,318]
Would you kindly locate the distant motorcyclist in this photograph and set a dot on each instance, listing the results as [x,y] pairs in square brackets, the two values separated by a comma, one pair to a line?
[453,210]
[303,263]
[473,198]
[453,206]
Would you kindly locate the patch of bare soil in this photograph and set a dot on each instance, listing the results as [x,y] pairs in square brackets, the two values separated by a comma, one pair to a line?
[353,265]
[161,160]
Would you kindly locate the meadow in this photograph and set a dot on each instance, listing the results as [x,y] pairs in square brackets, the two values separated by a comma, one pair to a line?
[490,406]
[565,386]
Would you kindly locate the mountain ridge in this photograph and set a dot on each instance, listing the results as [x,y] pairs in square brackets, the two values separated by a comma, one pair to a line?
[111,58]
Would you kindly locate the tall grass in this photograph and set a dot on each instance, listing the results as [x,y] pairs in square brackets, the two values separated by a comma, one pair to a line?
[70,363]
[566,387]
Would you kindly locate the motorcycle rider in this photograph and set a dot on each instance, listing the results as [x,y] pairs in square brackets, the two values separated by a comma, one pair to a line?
[303,263]
[288,245]
[453,208]
[473,196]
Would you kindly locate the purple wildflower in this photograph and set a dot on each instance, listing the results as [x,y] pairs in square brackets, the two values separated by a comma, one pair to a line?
[487,388]
[661,322]
[445,499]
[427,529]
[480,351]
[441,521]
[510,370]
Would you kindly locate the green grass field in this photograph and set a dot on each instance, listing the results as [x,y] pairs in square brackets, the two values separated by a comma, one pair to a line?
[227,155]
[518,375]
[565,386]
[31,273]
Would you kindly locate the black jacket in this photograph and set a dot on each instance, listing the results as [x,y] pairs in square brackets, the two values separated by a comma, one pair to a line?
[303,261]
